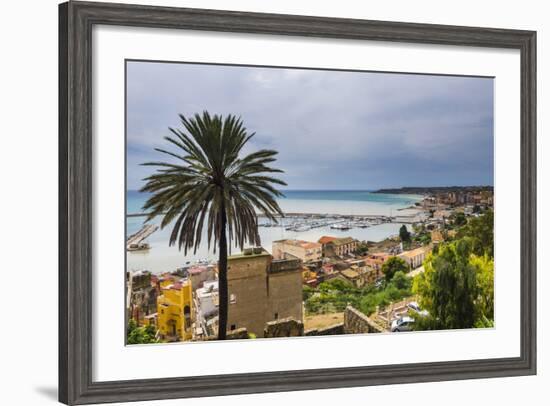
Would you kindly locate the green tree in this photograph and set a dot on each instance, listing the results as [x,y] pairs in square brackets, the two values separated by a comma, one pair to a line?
[307,292]
[480,230]
[209,184]
[140,335]
[362,249]
[392,266]
[401,281]
[484,267]
[460,219]
[404,234]
[448,288]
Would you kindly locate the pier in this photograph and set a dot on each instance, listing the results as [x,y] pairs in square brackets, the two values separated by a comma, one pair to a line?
[135,241]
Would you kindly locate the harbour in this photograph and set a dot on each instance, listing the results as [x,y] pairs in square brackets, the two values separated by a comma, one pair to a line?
[136,242]
[364,216]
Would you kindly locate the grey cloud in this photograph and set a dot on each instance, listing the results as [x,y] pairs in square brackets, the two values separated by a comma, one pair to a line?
[333,130]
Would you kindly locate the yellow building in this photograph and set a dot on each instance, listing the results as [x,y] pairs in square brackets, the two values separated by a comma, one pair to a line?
[175,310]
[308,275]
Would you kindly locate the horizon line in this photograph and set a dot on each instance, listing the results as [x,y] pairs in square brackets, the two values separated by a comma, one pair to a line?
[371,190]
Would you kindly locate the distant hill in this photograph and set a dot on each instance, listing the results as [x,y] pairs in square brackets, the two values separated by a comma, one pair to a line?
[429,190]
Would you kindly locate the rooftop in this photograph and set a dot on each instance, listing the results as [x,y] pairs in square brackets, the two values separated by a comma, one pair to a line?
[300,243]
[197,269]
[208,289]
[250,253]
[281,265]
[343,241]
[350,273]
[379,255]
[326,239]
[415,252]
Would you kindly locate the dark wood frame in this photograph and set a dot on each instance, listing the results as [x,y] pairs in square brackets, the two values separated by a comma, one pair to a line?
[76,20]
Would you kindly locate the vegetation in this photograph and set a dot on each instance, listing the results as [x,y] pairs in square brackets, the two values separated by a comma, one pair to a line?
[480,230]
[362,249]
[334,295]
[457,287]
[404,234]
[392,266]
[208,184]
[140,335]
[401,281]
[459,219]
[307,292]
[421,235]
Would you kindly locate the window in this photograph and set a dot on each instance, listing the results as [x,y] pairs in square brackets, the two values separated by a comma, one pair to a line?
[187,316]
[276,316]
[233,327]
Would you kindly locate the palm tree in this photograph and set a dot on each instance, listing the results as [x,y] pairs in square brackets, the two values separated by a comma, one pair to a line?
[207,183]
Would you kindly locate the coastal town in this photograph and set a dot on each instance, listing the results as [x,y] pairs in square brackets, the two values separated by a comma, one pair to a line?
[333,285]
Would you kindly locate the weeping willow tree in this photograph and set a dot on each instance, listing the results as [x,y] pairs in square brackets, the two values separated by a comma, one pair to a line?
[457,288]
[209,184]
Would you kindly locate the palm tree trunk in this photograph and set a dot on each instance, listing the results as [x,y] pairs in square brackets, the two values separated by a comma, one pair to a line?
[222,277]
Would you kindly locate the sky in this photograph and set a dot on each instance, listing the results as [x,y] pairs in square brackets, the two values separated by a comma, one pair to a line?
[334,130]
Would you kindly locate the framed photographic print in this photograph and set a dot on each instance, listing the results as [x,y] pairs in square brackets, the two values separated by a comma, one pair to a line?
[259,202]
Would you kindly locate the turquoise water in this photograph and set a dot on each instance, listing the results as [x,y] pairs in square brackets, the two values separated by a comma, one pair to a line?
[326,201]
[161,257]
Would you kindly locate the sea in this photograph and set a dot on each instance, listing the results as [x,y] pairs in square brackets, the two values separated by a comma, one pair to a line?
[161,257]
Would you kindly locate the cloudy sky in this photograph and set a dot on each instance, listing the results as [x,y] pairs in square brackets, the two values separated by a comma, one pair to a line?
[333,129]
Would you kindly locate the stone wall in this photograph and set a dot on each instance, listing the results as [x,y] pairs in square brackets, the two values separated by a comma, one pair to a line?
[333,330]
[284,295]
[262,290]
[285,265]
[238,334]
[247,285]
[356,322]
[287,327]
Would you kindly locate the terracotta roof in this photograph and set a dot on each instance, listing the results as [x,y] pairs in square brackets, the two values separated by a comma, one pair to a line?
[308,245]
[197,269]
[326,239]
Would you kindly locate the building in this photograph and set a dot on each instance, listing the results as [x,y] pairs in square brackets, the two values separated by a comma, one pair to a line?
[442,215]
[324,240]
[328,269]
[304,250]
[207,301]
[338,247]
[262,289]
[309,277]
[353,276]
[376,260]
[437,236]
[141,300]
[415,257]
[174,310]
[199,274]
[370,275]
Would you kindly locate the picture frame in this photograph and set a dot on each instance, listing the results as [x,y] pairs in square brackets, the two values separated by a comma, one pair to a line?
[76,19]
